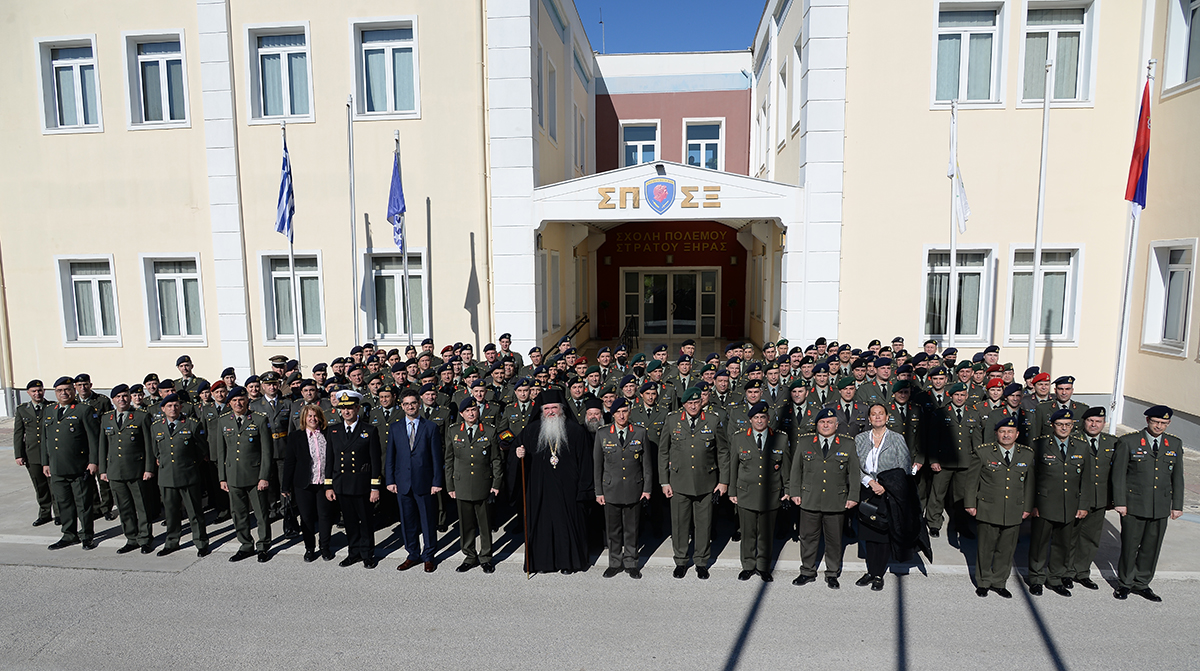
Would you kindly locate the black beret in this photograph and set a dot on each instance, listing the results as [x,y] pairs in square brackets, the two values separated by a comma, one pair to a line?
[183,359]
[34,383]
[1094,411]
[169,398]
[119,389]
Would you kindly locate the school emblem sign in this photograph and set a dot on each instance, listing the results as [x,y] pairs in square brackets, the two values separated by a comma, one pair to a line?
[660,193]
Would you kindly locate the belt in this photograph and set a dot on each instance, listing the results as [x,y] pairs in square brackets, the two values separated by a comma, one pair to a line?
[277,436]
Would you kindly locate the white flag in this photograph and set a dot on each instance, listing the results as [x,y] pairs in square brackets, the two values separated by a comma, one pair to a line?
[960,209]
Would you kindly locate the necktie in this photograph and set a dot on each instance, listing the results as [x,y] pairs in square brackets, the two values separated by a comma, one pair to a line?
[61,412]
[772,396]
[692,420]
[903,413]
[825,448]
[822,397]
[1062,447]
[1155,447]
[1008,457]
[760,443]
[120,420]
[239,422]
[171,428]
[1093,447]
[412,436]
[621,436]
[959,411]
[846,409]
[428,412]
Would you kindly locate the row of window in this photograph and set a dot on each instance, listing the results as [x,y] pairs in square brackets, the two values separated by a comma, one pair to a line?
[175,302]
[547,106]
[702,142]
[279,70]
[1167,305]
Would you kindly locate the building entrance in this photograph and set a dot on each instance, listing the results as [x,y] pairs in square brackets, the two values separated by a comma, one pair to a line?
[672,301]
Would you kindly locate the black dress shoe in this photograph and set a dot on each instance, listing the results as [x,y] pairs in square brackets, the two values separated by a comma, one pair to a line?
[679,572]
[349,561]
[1035,590]
[370,562]
[147,549]
[1148,594]
[745,575]
[1121,593]
[966,533]
[635,573]
[702,572]
[863,581]
[310,556]
[1088,583]
[58,521]
[877,584]
[91,544]
[1003,592]
[1060,590]
[566,571]
[326,555]
[611,572]
[737,535]
[934,533]
[804,579]
[241,554]
[166,551]
[464,567]
[1068,583]
[126,548]
[766,576]
[203,552]
[110,515]
[64,543]
[264,557]
[291,533]
[981,591]
[488,567]
[442,528]
[833,583]
[40,521]
[223,517]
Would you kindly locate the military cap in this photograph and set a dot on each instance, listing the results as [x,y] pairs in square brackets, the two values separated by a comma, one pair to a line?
[426,388]
[901,385]
[627,380]
[820,341]
[754,384]
[654,364]
[689,394]
[995,368]
[620,348]
[450,348]
[956,387]
[1011,389]
[682,358]
[617,405]
[343,394]
[602,350]
[904,368]
[1040,377]
[806,360]
[539,370]
[826,413]
[204,385]
[637,358]
[702,385]
[795,350]
[991,348]
[1062,413]
[882,361]
[732,346]
[236,392]
[229,370]
[961,365]
[771,365]
[1094,411]
[1065,379]
[521,382]
[783,342]
[592,369]
[660,348]
[34,383]
[251,380]
[346,400]
[429,341]
[798,383]
[281,359]
[169,398]
[470,370]
[292,365]
[1006,366]
[373,376]
[574,380]
[308,382]
[608,389]
[269,376]
[479,383]
[82,377]
[490,347]
[687,342]
[858,363]
[712,356]
[320,367]
[977,357]
[844,348]
[721,372]
[119,389]
[979,366]
[759,408]
[995,382]
[949,351]
[931,341]
[1158,412]
[821,368]
[168,383]
[357,349]
[844,382]
[1009,421]
[733,359]
[754,366]
[769,343]
[183,359]
[139,389]
[868,357]
[936,370]
[647,386]
[919,357]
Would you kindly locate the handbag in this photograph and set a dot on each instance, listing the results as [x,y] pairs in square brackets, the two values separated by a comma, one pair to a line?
[873,514]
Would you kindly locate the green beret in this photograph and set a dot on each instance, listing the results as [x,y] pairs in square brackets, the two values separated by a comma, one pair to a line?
[653,365]
[844,382]
[689,394]
[798,383]
[592,369]
[637,358]
[956,387]
[901,384]
[470,370]
[961,365]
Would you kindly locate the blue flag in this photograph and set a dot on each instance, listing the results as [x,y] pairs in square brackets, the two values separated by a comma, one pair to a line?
[396,208]
[287,204]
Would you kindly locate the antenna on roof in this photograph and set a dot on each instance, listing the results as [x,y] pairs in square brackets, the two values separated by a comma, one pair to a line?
[602,31]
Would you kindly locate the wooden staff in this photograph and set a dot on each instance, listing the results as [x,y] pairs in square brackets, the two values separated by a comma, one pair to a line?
[525,516]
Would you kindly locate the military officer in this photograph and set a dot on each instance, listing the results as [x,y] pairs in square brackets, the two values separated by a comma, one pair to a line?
[1147,482]
[101,404]
[1039,392]
[179,447]
[824,484]
[71,450]
[278,411]
[999,494]
[385,414]
[624,475]
[353,478]
[1062,501]
[244,453]
[474,472]
[648,413]
[310,394]
[851,415]
[27,446]
[187,382]
[208,414]
[1064,387]
[760,466]
[952,433]
[1089,530]
[126,461]
[693,469]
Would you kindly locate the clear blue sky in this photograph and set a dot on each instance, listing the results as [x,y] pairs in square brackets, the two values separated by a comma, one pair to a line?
[634,26]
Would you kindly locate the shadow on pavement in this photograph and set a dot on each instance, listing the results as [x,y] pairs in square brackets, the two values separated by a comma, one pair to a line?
[739,644]
[1046,636]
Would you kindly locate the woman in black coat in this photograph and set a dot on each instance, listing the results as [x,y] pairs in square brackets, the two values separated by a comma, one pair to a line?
[304,480]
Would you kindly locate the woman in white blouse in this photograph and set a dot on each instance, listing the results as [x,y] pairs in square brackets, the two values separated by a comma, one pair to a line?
[879,449]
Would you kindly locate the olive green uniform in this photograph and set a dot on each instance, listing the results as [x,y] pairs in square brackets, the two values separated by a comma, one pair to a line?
[218,499]
[1091,528]
[473,468]
[1148,482]
[758,478]
[27,445]
[693,458]
[125,458]
[181,455]
[1060,479]
[949,442]
[622,473]
[825,476]
[1041,425]
[69,444]
[244,458]
[1002,493]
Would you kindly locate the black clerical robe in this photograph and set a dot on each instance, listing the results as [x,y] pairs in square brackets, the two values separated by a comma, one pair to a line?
[557,491]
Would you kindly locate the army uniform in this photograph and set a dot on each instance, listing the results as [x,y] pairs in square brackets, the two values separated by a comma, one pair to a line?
[181,456]
[27,445]
[693,458]
[1002,494]
[853,422]
[278,416]
[1148,481]
[104,500]
[623,473]
[1041,423]
[949,442]
[798,420]
[244,456]
[873,392]
[758,478]
[70,444]
[1060,478]
[382,419]
[1091,528]
[824,479]
[442,416]
[218,499]
[473,468]
[353,469]
[125,457]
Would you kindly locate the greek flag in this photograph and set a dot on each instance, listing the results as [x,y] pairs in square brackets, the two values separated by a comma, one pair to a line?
[396,208]
[286,208]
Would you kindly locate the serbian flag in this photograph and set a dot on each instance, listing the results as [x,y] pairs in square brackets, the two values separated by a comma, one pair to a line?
[1139,167]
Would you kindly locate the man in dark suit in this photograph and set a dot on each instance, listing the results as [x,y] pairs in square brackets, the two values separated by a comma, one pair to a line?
[414,472]
[71,452]
[352,477]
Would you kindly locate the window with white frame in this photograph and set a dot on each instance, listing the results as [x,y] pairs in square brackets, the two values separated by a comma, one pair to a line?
[781,105]
[967,58]
[580,139]
[1059,281]
[1170,273]
[280,60]
[764,132]
[541,87]
[390,299]
[1192,11]
[161,86]
[555,283]
[90,300]
[174,293]
[543,312]
[282,298]
[1058,35]
[552,99]
[972,296]
[639,143]
[387,62]
[797,100]
[71,96]
[704,144]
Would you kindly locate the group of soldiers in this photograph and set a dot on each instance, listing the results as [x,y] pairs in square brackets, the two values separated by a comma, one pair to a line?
[747,434]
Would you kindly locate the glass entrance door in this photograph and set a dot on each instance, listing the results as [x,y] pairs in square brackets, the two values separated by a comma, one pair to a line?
[672,303]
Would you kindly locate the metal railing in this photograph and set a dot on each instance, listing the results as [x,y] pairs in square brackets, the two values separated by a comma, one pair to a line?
[629,335]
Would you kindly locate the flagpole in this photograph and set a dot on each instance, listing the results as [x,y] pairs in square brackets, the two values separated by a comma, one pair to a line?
[952,316]
[1036,309]
[292,263]
[353,216]
[1117,403]
[404,256]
